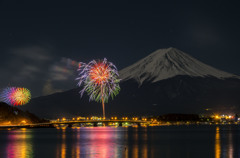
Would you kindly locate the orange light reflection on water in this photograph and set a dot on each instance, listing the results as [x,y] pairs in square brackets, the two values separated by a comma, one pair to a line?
[140,149]
[136,146]
[76,149]
[20,145]
[217,144]
[145,147]
[61,150]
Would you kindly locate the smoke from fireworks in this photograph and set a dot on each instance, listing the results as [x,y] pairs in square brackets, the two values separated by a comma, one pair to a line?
[99,79]
[15,96]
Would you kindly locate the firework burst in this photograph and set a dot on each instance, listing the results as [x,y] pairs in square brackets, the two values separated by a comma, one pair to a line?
[22,96]
[6,95]
[15,96]
[99,80]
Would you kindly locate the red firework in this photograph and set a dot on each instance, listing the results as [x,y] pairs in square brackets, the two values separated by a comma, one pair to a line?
[99,73]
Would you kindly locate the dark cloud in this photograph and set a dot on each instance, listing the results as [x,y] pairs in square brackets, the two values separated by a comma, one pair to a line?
[35,53]
[63,70]
[60,76]
[37,68]
[25,66]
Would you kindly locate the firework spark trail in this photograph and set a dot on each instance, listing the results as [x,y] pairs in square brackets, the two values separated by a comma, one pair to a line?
[99,80]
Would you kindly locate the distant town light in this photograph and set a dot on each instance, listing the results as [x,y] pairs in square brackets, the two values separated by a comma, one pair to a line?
[23,122]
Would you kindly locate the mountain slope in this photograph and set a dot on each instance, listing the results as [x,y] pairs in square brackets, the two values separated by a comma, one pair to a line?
[15,116]
[170,82]
[167,63]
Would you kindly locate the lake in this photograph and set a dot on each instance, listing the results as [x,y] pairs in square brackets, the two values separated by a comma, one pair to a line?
[191,141]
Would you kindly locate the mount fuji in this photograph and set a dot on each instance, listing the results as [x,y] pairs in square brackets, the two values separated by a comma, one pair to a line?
[166,81]
[167,63]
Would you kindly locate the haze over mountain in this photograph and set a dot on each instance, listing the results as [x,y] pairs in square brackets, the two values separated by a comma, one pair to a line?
[166,81]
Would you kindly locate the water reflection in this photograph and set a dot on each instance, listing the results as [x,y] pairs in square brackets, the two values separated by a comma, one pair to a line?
[61,149]
[230,146]
[20,144]
[217,144]
[99,142]
[138,147]
[92,142]
[125,147]
[77,147]
[103,142]
[227,143]
[145,145]
[224,144]
[135,146]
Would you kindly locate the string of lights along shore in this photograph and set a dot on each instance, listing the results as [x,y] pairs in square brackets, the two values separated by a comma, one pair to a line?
[99,79]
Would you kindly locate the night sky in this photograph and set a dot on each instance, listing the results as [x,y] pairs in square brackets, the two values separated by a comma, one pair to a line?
[41,42]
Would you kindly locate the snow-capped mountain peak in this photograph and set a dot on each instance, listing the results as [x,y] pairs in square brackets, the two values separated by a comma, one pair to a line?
[167,63]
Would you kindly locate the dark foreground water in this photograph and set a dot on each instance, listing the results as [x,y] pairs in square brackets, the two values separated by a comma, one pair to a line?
[110,142]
